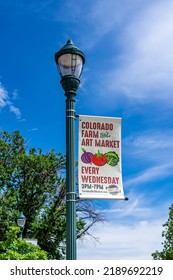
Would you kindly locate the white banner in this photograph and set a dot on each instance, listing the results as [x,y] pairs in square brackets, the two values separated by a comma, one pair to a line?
[99,170]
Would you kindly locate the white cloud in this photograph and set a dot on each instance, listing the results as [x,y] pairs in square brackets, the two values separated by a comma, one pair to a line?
[154,140]
[146,62]
[3,96]
[141,32]
[15,94]
[150,174]
[123,242]
[106,15]
[133,230]
[138,208]
[15,110]
[150,140]
[33,129]
[6,102]
[152,149]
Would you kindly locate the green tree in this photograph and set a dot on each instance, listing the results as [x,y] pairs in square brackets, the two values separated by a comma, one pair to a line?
[167,252]
[14,248]
[34,183]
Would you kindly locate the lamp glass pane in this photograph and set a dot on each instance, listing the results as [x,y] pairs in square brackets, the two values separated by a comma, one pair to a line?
[78,67]
[70,64]
[20,222]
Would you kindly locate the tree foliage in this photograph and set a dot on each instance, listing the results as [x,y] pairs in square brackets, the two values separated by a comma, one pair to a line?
[34,183]
[167,234]
[14,248]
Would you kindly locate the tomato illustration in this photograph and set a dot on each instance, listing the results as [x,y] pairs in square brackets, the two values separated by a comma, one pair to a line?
[99,159]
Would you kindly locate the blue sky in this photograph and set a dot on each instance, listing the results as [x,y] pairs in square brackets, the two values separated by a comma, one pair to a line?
[128,74]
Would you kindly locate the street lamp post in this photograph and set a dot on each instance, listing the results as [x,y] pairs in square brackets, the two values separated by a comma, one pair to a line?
[21,219]
[70,61]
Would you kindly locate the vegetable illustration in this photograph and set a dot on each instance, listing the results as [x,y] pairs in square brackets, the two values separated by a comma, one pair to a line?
[112,158]
[99,159]
[86,156]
